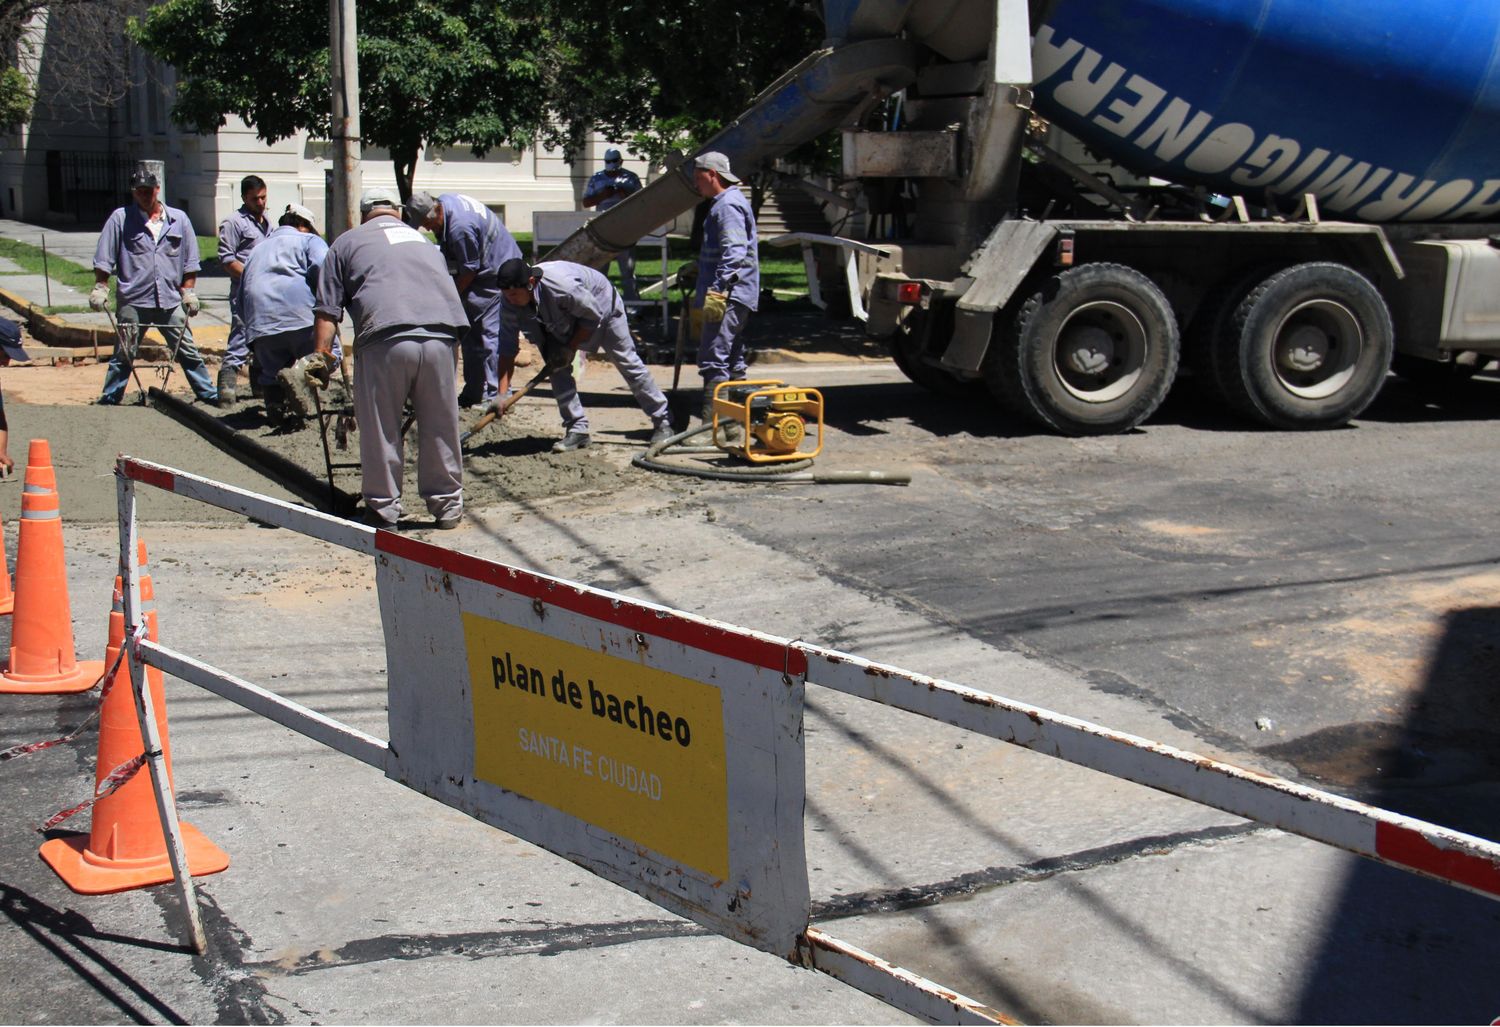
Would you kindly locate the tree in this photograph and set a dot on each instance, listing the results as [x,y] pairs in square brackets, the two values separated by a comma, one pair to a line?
[88,62]
[665,76]
[431,72]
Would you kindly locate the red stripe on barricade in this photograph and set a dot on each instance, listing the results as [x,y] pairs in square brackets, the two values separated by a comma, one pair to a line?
[761,652]
[1410,849]
[151,476]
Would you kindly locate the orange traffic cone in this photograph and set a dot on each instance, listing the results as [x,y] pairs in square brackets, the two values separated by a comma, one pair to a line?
[7,597]
[42,660]
[125,847]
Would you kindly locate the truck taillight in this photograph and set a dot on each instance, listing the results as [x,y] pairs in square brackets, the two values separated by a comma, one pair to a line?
[1065,251]
[909,293]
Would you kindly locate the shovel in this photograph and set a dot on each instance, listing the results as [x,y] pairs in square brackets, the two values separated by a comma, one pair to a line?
[512,400]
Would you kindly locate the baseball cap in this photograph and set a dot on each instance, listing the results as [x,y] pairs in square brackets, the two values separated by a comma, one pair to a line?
[10,340]
[612,156]
[379,196]
[305,213]
[419,206]
[142,178]
[515,273]
[713,160]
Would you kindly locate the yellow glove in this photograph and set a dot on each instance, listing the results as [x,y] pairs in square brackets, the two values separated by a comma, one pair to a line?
[714,305]
[695,321]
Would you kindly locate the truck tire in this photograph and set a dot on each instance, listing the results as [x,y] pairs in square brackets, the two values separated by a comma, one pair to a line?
[1093,352]
[906,351]
[1310,348]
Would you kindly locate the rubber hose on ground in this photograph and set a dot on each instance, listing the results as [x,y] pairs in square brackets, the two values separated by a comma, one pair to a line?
[787,472]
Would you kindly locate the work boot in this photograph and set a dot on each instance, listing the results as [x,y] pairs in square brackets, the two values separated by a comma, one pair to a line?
[662,431]
[708,403]
[257,390]
[571,441]
[228,385]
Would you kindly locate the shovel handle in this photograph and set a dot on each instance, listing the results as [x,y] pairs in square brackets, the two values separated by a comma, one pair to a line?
[514,398]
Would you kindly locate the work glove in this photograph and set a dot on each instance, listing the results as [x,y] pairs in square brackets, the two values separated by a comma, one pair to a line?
[99,296]
[316,369]
[714,306]
[190,302]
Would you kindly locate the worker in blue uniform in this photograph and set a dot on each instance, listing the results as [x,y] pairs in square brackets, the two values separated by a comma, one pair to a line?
[567,308]
[728,274]
[152,251]
[475,242]
[606,189]
[240,233]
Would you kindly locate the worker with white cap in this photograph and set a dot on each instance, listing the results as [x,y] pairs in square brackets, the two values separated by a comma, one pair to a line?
[566,308]
[728,274]
[277,285]
[475,243]
[152,251]
[407,322]
[604,190]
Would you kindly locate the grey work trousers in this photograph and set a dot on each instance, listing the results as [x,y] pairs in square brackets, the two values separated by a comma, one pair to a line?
[386,374]
[721,350]
[612,338]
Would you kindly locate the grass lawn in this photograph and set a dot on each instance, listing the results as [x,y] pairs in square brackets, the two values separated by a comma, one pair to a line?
[781,269]
[29,258]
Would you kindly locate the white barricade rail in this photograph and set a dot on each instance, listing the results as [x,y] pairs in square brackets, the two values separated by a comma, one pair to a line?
[664,752]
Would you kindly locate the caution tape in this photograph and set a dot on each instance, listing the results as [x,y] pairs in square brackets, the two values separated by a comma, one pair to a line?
[107,679]
[113,782]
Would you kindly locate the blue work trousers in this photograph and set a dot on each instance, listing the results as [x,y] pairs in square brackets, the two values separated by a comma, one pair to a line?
[721,351]
[171,324]
[612,338]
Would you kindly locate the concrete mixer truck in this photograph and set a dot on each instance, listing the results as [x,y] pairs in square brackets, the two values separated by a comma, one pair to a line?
[1309,190]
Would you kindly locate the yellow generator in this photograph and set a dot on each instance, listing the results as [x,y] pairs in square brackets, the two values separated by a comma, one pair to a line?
[773,418]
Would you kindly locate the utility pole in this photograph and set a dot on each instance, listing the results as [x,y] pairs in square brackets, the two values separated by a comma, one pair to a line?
[343,54]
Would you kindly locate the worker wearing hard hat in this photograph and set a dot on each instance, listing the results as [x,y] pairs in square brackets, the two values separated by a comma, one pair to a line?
[277,284]
[407,322]
[604,190]
[728,274]
[475,242]
[566,308]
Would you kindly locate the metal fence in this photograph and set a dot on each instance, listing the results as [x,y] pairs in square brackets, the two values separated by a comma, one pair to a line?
[87,186]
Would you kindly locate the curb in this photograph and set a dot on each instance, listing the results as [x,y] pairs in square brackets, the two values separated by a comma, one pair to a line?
[53,331]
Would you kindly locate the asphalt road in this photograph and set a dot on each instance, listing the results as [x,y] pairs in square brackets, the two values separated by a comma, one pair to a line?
[1316,605]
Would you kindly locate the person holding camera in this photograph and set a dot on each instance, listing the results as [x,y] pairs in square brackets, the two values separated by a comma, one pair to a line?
[604,190]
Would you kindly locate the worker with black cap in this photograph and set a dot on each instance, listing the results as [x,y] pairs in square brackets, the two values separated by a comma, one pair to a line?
[728,274]
[565,308]
[10,349]
[407,321]
[604,190]
[475,243]
[152,249]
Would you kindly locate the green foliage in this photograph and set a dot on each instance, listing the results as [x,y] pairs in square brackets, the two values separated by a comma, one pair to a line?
[482,73]
[666,76]
[15,98]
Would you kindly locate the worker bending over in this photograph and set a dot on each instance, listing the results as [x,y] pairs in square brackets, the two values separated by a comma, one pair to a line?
[475,242]
[566,308]
[277,286]
[407,321]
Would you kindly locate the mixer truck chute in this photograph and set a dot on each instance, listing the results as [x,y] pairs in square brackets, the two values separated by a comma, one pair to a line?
[1299,194]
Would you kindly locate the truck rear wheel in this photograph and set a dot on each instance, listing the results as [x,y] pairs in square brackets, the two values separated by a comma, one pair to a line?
[1093,352]
[1310,348]
[907,350]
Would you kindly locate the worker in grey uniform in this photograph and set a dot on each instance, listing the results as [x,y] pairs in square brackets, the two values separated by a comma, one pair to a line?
[152,251]
[240,233]
[276,300]
[605,189]
[566,308]
[407,322]
[475,243]
[728,274]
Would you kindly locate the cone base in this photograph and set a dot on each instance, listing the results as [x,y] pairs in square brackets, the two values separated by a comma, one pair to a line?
[83,677]
[91,874]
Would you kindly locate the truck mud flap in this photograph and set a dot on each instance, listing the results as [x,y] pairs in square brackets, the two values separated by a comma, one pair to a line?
[998,269]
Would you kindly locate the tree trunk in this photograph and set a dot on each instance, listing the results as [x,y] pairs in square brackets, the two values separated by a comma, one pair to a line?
[405,160]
